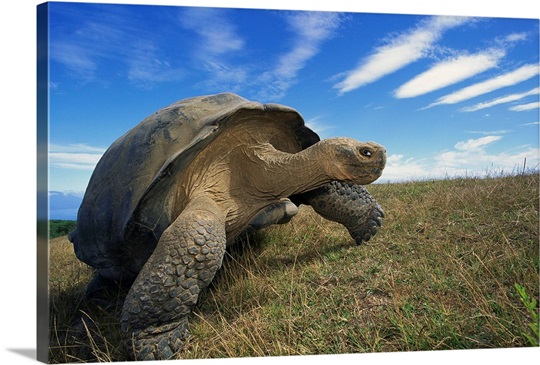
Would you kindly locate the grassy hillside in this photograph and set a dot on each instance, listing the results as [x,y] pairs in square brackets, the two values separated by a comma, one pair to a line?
[440,274]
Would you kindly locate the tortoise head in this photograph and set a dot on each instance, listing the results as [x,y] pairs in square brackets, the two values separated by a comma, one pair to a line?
[353,161]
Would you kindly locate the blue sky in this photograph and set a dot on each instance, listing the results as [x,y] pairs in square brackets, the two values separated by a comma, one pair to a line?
[447,96]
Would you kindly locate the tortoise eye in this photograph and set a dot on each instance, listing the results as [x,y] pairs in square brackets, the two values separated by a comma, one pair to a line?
[366,152]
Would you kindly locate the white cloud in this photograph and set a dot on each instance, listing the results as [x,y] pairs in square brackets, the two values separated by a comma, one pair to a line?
[76,148]
[399,168]
[449,72]
[515,37]
[78,194]
[467,158]
[79,161]
[398,53]
[502,100]
[524,107]
[76,58]
[479,161]
[310,30]
[511,78]
[317,126]
[501,131]
[476,144]
[74,156]
[146,69]
[218,42]
[472,157]
[217,36]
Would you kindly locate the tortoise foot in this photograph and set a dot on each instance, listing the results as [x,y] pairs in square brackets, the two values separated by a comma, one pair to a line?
[161,343]
[367,229]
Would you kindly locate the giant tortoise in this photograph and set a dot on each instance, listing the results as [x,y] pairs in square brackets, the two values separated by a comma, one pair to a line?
[168,196]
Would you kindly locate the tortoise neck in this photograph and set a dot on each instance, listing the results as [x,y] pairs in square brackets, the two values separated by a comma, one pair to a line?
[299,172]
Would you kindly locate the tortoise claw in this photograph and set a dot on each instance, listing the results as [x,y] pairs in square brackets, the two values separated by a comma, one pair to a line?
[369,228]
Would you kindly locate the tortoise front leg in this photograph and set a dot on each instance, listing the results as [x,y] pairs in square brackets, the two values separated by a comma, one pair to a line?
[348,204]
[190,251]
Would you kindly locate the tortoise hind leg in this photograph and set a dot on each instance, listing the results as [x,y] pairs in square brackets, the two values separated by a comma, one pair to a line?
[190,251]
[276,213]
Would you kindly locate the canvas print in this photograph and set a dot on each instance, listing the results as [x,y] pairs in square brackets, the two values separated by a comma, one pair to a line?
[226,182]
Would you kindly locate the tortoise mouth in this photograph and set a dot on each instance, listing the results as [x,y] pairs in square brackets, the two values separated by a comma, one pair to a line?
[371,169]
[377,171]
[378,167]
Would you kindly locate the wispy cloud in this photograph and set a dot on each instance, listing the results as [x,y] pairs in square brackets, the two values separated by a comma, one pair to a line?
[476,144]
[501,131]
[74,156]
[76,148]
[218,42]
[146,69]
[524,107]
[217,35]
[77,60]
[110,39]
[511,78]
[501,100]
[449,72]
[318,126]
[404,49]
[310,30]
[513,38]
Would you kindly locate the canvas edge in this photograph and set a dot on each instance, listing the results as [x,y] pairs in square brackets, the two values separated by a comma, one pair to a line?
[42,86]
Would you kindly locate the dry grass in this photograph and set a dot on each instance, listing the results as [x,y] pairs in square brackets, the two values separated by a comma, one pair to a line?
[439,275]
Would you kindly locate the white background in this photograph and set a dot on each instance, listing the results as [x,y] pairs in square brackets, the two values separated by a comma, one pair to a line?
[18,173]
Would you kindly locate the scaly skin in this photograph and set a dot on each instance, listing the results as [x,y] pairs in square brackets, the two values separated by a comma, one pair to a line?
[155,313]
[348,204]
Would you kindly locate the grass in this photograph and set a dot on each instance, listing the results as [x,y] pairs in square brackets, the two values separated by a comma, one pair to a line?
[440,274]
